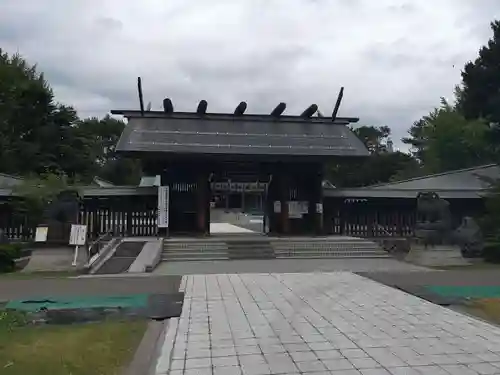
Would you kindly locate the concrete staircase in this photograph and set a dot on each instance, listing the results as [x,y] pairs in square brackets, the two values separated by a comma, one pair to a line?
[262,247]
[250,249]
[328,247]
[124,255]
[194,249]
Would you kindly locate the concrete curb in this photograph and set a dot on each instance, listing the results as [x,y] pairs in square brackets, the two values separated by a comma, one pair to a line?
[163,351]
[144,360]
[148,258]
[155,350]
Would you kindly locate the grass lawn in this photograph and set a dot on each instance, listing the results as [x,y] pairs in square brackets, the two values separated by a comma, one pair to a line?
[82,349]
[487,309]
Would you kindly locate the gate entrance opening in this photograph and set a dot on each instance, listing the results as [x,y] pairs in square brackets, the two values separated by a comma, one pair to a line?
[238,196]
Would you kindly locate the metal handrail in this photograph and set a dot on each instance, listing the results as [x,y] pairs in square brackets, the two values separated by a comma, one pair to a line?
[97,242]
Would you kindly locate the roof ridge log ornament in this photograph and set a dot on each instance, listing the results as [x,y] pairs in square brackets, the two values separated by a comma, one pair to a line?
[278,110]
[168,106]
[240,109]
[202,108]
[309,111]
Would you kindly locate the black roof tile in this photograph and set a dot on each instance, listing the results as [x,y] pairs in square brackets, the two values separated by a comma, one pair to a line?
[189,133]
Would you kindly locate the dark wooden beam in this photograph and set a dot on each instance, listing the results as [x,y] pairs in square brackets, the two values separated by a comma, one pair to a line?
[337,104]
[141,98]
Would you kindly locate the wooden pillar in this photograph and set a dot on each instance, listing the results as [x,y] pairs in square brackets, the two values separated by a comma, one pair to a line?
[208,208]
[284,190]
[314,188]
[203,202]
[318,206]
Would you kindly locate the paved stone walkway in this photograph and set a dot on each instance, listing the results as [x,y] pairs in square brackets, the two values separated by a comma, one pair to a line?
[320,323]
[216,228]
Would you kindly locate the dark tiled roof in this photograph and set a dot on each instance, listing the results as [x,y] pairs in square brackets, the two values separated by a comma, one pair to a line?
[188,133]
[474,178]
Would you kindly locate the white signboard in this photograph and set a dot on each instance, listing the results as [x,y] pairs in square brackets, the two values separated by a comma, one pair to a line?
[319,208]
[41,234]
[163,206]
[293,210]
[297,208]
[78,235]
[277,207]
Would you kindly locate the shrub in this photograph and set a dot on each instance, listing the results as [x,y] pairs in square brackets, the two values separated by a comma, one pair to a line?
[8,254]
[491,252]
[11,319]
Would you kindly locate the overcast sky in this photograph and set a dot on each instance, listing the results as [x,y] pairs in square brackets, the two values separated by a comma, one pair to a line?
[394,57]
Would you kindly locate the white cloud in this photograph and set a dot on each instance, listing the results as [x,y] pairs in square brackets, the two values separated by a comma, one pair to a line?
[395,58]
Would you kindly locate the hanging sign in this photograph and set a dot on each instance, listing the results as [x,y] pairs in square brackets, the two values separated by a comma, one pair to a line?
[41,234]
[163,206]
[294,210]
[277,207]
[319,208]
[78,235]
[297,208]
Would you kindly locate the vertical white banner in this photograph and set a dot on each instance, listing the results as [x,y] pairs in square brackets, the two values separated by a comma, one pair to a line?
[163,206]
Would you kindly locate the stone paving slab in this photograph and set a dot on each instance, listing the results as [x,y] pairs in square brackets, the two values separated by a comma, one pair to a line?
[320,323]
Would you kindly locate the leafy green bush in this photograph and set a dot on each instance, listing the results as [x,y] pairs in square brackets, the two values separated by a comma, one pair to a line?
[490,222]
[36,193]
[8,254]
[10,319]
[491,252]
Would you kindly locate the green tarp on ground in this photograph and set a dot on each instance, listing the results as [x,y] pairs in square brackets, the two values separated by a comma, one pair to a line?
[466,291]
[59,303]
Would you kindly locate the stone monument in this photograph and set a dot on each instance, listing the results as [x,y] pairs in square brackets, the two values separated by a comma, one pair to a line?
[435,242]
[470,238]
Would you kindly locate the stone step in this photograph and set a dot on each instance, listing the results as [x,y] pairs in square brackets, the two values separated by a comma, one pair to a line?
[181,256]
[263,248]
[291,253]
[250,250]
[170,252]
[331,252]
[193,259]
[336,256]
[196,247]
[325,248]
[326,243]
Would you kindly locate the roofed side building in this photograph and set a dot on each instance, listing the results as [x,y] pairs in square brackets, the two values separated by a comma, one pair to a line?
[474,178]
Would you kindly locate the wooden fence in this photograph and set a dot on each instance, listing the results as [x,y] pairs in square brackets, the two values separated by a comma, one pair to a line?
[136,216]
[122,216]
[372,224]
